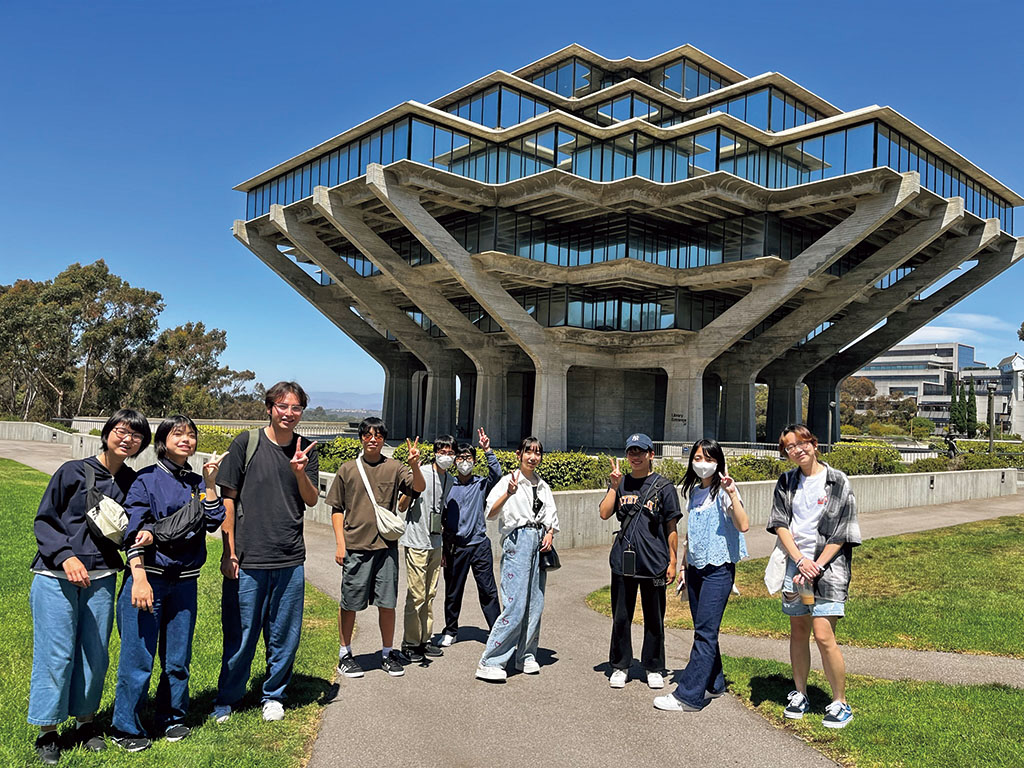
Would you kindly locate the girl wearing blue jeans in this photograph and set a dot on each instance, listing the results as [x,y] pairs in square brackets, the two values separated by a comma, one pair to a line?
[527,526]
[715,543]
[72,594]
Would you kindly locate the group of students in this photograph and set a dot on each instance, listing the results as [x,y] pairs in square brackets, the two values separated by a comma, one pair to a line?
[257,494]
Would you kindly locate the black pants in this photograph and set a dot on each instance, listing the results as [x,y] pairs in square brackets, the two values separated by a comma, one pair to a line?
[652,603]
[458,560]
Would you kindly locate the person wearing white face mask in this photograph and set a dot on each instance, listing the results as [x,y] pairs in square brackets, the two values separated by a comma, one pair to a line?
[466,546]
[422,542]
[715,543]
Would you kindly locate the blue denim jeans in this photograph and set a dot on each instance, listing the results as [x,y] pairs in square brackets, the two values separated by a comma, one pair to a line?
[267,601]
[169,629]
[522,595]
[71,629]
[708,591]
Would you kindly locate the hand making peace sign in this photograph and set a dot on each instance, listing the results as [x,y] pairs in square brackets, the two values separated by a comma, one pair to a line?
[301,457]
[513,483]
[211,468]
[485,441]
[615,476]
[414,450]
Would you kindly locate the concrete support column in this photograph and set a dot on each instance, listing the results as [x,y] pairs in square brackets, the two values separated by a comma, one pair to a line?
[785,404]
[549,405]
[737,419]
[822,417]
[489,401]
[398,394]
[684,402]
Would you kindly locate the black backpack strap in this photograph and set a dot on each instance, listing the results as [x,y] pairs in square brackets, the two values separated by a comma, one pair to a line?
[90,475]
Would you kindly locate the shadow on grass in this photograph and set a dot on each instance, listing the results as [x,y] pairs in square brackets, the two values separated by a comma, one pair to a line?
[776,688]
[302,690]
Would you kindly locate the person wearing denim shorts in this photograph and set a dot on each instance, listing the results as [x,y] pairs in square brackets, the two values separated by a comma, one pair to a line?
[814,514]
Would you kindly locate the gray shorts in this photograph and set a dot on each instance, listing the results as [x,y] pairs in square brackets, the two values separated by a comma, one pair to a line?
[369,577]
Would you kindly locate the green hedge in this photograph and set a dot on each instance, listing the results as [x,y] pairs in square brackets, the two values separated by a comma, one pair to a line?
[865,460]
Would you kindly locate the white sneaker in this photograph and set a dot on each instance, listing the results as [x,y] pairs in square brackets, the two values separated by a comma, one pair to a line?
[446,640]
[618,678]
[273,711]
[531,667]
[670,703]
[490,673]
[655,681]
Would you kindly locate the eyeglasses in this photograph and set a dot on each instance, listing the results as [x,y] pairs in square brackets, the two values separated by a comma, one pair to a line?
[286,408]
[123,433]
[805,445]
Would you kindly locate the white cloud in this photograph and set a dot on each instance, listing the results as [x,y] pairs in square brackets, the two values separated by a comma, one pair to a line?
[978,322]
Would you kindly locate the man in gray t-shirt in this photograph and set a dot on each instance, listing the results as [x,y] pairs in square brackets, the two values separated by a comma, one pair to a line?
[422,542]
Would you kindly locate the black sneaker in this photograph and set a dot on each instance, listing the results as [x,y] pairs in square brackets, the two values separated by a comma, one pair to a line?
[48,747]
[392,664]
[132,743]
[412,654]
[400,657]
[432,650]
[177,732]
[86,735]
[349,667]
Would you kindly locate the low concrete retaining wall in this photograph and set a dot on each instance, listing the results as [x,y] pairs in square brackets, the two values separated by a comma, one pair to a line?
[581,526]
[31,430]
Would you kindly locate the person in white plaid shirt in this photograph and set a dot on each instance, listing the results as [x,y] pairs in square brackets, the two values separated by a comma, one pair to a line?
[814,514]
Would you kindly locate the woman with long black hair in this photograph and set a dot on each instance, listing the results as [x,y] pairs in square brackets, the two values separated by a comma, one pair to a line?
[714,544]
[73,591]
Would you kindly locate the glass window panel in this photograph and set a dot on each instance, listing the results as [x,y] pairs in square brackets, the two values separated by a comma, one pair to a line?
[790,120]
[737,107]
[778,116]
[566,143]
[476,109]
[550,79]
[672,78]
[422,142]
[545,149]
[813,150]
[703,81]
[704,152]
[401,140]
[509,108]
[859,149]
[692,82]
[563,78]
[621,109]
[387,140]
[374,156]
[645,161]
[623,160]
[527,108]
[460,152]
[442,147]
[582,78]
[757,109]
[714,245]
[835,152]
[490,108]
[464,109]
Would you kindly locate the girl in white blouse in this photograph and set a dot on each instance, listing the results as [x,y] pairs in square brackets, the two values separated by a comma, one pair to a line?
[527,526]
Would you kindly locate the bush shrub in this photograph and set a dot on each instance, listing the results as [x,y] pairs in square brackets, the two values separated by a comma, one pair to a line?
[336,452]
[859,460]
[751,468]
[848,429]
[939,464]
[988,461]
[673,469]
[216,439]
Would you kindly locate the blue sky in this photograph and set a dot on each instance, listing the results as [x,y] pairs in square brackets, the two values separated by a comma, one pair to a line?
[126,125]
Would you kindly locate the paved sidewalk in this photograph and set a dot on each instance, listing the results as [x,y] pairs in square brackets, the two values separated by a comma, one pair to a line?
[46,457]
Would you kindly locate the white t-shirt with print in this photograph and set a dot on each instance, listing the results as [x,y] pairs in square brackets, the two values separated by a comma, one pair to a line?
[808,505]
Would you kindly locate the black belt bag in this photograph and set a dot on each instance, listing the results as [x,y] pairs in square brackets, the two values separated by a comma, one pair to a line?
[181,525]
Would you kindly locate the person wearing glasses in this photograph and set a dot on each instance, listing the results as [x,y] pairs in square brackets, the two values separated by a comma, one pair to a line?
[814,514]
[266,489]
[73,591]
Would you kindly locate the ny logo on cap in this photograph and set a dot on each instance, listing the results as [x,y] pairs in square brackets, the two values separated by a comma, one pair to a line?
[635,437]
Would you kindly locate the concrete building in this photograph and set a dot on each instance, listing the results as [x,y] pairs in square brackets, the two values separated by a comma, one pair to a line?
[593,247]
[1008,398]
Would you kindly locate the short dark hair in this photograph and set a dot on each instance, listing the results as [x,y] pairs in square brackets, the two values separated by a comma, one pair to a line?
[373,424]
[530,442]
[444,441]
[466,448]
[167,426]
[134,420]
[279,389]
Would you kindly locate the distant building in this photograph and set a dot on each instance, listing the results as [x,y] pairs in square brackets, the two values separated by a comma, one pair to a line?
[927,373]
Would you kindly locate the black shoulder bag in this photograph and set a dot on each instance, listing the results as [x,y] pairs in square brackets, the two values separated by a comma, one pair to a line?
[549,560]
[183,524]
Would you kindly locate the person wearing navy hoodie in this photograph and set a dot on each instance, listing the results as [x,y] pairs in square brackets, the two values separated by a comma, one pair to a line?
[156,609]
[72,593]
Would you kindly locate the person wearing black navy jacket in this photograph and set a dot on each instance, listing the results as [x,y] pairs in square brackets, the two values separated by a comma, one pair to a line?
[173,508]
[72,594]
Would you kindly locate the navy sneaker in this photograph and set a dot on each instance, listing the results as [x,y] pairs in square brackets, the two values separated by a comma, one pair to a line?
[48,748]
[837,715]
[86,735]
[132,743]
[797,707]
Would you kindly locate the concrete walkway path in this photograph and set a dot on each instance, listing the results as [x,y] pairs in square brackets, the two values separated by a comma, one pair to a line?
[46,457]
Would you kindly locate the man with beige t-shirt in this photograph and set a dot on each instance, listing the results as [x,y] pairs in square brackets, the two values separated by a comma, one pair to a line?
[369,562]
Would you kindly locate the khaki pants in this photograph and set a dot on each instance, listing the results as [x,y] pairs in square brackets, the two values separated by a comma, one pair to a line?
[422,567]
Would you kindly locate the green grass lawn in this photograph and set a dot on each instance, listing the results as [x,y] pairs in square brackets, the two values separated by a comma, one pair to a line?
[951,589]
[896,723]
[243,741]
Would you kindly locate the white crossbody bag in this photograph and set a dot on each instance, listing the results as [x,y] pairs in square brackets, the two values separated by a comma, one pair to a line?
[389,525]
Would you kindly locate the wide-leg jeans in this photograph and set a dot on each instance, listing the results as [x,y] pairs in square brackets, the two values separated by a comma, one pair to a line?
[517,629]
[708,590]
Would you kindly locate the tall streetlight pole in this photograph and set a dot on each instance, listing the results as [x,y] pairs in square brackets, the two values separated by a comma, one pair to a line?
[991,414]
